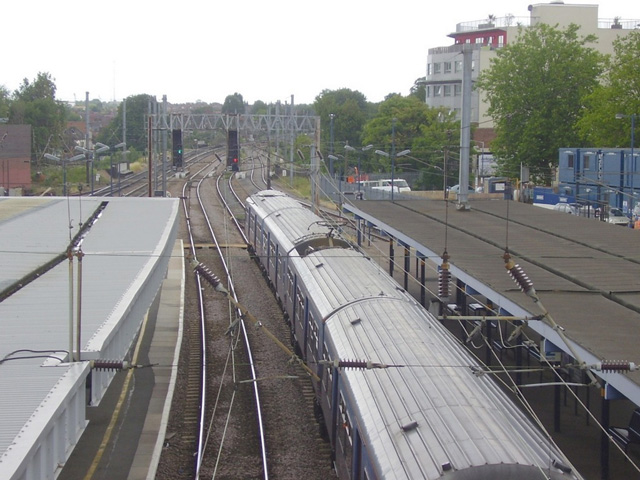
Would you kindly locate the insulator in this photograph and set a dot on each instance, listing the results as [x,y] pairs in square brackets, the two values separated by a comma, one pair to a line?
[616,366]
[518,275]
[361,364]
[444,277]
[443,283]
[109,365]
[210,277]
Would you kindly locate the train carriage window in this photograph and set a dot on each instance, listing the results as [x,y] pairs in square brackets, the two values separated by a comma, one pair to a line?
[289,287]
[327,376]
[313,339]
[344,434]
[272,253]
[300,307]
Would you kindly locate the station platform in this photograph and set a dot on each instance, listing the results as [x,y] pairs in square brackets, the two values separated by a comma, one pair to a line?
[584,272]
[127,431]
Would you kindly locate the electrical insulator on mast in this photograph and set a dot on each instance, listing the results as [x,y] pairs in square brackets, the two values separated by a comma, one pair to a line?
[613,366]
[444,277]
[518,275]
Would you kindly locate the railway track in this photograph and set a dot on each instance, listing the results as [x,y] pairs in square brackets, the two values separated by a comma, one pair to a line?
[257,420]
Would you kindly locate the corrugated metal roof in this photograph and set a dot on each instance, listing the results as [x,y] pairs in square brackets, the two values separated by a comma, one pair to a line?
[123,250]
[585,271]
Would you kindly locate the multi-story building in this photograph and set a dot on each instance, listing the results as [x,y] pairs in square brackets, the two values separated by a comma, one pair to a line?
[444,64]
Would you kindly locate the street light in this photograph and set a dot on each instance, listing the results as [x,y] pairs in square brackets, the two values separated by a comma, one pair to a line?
[360,152]
[91,154]
[331,158]
[64,162]
[393,157]
[114,148]
[632,160]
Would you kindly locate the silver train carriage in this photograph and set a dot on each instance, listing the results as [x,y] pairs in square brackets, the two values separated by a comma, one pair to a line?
[426,415]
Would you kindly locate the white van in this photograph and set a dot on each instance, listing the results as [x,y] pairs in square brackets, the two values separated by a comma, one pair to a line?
[399,185]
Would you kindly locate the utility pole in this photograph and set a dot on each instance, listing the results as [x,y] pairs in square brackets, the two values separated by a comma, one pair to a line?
[465,128]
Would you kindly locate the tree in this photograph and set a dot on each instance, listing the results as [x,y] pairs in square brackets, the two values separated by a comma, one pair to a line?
[4,102]
[137,109]
[426,131]
[233,104]
[535,88]
[35,104]
[349,109]
[259,108]
[419,89]
[619,93]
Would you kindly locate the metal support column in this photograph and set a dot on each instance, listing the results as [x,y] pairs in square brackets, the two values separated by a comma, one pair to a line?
[604,438]
[519,348]
[557,394]
[391,256]
[407,266]
[423,290]
[489,343]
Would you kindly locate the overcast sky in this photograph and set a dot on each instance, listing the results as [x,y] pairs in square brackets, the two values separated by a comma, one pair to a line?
[265,50]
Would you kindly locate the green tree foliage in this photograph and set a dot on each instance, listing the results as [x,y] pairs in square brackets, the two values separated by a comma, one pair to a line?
[424,130]
[233,104]
[259,108]
[137,109]
[419,89]
[4,102]
[35,104]
[618,94]
[535,88]
[349,109]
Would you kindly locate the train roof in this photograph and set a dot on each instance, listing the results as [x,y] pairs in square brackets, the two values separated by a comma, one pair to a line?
[431,407]
[299,228]
[329,279]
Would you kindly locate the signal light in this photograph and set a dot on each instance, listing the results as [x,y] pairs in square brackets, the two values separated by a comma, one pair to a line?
[234,164]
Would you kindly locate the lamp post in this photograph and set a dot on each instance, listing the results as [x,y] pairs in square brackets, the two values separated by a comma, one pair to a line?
[393,156]
[632,159]
[349,148]
[331,158]
[331,117]
[64,162]
[120,145]
[91,154]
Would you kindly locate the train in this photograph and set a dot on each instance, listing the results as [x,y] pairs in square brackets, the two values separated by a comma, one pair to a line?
[396,393]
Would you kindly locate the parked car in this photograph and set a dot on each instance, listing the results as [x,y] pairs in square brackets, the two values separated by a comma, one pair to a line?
[456,189]
[570,208]
[617,217]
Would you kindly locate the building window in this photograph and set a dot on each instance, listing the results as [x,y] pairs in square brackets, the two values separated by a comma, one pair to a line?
[437,90]
[447,67]
[428,91]
[587,162]
[429,69]
[501,40]
[436,68]
[457,90]
[570,160]
[479,40]
[457,66]
[447,90]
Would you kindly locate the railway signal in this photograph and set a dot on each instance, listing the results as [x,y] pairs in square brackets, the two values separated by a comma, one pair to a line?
[177,148]
[233,150]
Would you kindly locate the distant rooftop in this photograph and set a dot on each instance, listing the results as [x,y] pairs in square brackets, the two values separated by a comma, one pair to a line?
[513,21]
